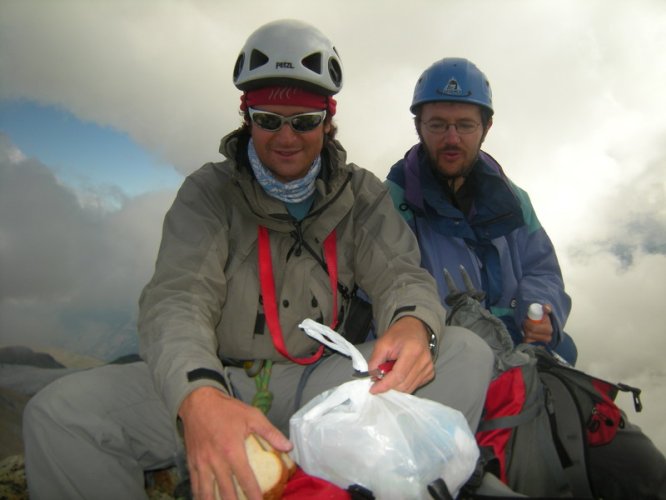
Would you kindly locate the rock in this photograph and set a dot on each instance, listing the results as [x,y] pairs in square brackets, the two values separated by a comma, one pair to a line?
[160,485]
[21,355]
[12,479]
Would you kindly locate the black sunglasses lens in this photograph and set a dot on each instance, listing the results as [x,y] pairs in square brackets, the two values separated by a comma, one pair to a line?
[305,123]
[267,121]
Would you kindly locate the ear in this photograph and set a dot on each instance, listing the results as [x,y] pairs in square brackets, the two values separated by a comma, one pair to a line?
[485,132]
[417,126]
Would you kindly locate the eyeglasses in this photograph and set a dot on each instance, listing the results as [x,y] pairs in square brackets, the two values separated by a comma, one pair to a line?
[303,122]
[463,127]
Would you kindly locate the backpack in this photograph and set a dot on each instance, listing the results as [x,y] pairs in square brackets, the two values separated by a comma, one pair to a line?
[540,421]
[543,420]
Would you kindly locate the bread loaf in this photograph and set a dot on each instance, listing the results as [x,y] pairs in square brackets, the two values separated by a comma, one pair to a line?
[286,459]
[271,468]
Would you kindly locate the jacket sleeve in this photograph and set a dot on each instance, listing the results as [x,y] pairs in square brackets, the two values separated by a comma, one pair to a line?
[387,261]
[181,305]
[541,280]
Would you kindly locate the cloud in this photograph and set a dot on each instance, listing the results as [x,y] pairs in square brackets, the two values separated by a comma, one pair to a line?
[616,321]
[630,219]
[71,271]
[614,269]
[111,63]
[41,225]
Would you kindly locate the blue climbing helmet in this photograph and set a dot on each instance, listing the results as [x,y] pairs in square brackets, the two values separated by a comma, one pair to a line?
[453,79]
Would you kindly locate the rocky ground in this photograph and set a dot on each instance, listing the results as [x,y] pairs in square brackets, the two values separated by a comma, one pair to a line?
[160,485]
[23,372]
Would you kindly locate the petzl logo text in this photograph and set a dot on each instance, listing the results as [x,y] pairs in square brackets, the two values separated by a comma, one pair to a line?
[284,65]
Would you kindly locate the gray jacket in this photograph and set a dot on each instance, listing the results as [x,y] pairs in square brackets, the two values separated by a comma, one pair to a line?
[203,301]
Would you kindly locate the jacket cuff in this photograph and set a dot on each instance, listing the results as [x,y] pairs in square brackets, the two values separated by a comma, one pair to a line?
[432,322]
[180,383]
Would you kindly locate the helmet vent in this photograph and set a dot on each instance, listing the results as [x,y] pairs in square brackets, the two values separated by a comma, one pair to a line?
[335,71]
[313,62]
[257,59]
[238,66]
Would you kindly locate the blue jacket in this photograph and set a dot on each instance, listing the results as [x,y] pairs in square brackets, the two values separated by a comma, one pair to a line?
[501,243]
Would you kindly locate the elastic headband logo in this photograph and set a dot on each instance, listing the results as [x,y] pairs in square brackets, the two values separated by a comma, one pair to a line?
[282,93]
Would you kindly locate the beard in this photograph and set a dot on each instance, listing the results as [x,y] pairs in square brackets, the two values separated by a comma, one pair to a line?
[450,171]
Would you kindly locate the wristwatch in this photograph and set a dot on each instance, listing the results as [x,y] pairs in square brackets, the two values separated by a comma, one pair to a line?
[432,341]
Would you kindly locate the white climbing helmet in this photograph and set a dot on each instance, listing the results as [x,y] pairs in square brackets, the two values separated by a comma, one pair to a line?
[288,51]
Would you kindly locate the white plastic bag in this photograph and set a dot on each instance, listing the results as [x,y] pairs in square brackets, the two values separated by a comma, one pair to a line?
[394,444]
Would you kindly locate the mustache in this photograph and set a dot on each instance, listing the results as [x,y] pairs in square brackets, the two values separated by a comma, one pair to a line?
[446,149]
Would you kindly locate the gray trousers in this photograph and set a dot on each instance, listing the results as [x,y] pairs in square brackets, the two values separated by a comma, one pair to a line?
[92,434]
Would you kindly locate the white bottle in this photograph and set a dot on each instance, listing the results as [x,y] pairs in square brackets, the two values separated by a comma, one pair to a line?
[535,312]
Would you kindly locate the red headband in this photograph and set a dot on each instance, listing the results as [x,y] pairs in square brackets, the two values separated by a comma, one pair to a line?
[290,96]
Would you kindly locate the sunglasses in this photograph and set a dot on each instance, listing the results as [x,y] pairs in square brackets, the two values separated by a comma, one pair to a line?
[303,122]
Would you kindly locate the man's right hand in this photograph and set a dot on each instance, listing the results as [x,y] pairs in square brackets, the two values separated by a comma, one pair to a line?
[215,427]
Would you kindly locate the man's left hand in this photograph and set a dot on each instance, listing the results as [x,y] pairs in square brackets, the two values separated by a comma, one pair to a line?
[539,331]
[406,342]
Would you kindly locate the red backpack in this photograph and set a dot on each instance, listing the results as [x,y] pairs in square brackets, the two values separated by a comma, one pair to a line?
[539,421]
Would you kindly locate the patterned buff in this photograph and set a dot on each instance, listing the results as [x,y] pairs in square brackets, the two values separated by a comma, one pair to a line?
[290,192]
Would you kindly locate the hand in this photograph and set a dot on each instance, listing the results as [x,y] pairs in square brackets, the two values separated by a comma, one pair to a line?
[215,427]
[406,342]
[539,331]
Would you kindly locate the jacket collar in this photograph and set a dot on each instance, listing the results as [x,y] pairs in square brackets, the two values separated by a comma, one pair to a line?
[495,203]
[334,169]
[331,186]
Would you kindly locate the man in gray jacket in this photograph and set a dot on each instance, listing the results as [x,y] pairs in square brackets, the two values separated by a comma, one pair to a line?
[284,229]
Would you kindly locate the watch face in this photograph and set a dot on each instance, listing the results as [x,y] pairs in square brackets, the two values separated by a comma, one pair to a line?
[432,344]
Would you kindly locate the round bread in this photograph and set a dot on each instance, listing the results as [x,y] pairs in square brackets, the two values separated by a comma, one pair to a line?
[271,468]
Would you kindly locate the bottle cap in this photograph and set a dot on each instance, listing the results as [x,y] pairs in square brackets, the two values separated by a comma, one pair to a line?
[535,312]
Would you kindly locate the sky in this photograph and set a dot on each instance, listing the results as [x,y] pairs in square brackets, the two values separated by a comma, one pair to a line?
[106,105]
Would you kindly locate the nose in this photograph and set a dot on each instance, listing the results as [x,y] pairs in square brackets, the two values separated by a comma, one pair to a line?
[451,135]
[286,133]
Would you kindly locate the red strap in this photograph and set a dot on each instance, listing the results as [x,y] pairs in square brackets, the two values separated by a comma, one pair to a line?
[331,257]
[268,292]
[302,486]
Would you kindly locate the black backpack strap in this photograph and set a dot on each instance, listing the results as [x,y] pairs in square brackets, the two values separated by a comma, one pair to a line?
[569,433]
[438,490]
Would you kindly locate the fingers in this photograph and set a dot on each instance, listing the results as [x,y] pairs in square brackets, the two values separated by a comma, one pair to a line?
[408,374]
[540,332]
[406,342]
[274,437]
[203,482]
[538,337]
[407,383]
[246,480]
[203,479]
[223,475]
[215,430]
